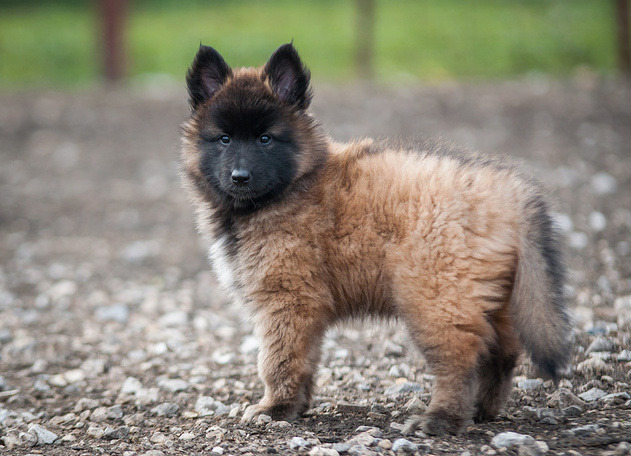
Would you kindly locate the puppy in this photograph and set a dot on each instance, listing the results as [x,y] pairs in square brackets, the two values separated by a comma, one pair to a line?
[306,232]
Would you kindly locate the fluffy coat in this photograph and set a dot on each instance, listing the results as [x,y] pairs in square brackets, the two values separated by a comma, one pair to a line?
[306,232]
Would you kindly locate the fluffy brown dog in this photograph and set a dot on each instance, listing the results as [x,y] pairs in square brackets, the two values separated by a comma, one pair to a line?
[307,232]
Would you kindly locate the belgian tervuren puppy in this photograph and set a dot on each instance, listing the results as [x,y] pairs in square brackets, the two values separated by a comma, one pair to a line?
[306,232]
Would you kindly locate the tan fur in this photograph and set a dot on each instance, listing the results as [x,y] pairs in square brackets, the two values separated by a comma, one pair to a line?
[418,235]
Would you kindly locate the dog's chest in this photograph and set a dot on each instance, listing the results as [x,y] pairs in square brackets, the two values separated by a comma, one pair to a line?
[223,264]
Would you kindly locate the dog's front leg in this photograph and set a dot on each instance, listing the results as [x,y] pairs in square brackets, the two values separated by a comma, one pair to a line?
[291,338]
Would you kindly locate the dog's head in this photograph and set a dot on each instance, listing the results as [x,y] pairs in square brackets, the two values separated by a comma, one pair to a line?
[249,136]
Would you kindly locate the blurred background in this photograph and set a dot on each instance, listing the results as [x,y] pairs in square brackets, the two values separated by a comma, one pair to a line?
[73,43]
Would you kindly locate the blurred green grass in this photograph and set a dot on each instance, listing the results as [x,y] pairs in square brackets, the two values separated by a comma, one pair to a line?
[56,44]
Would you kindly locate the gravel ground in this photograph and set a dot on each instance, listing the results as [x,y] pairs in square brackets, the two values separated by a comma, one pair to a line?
[115,339]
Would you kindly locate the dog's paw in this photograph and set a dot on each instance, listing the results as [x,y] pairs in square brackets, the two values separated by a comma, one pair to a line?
[252,412]
[441,422]
[287,412]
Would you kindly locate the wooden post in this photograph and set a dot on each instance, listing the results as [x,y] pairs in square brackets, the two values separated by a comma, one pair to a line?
[624,51]
[365,38]
[112,16]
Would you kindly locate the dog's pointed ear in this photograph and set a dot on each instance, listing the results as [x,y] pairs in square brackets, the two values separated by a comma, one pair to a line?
[288,77]
[206,75]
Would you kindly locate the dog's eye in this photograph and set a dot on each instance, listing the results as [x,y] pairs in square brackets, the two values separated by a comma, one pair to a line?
[224,139]
[265,139]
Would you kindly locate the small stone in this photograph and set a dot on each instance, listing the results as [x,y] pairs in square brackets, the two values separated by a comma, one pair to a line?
[341,447]
[529,384]
[134,420]
[207,406]
[578,240]
[582,431]
[187,436]
[592,395]
[615,398]
[563,398]
[85,404]
[263,419]
[118,433]
[95,431]
[385,444]
[115,412]
[624,356]
[415,405]
[528,448]
[298,442]
[622,303]
[550,416]
[153,453]
[510,440]
[406,387]
[372,430]
[597,221]
[174,385]
[116,312]
[167,409]
[157,437]
[623,449]
[131,385]
[99,414]
[360,450]
[43,435]
[573,411]
[280,424]
[217,450]
[249,346]
[593,366]
[319,451]
[600,344]
[365,438]
[603,183]
[403,446]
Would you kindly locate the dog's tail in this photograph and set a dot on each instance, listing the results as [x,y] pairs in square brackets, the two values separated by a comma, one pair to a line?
[537,301]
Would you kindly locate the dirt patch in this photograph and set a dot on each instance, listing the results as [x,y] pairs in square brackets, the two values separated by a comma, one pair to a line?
[112,328]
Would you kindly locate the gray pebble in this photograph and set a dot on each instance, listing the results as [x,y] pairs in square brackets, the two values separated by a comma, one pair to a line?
[118,433]
[173,385]
[341,447]
[407,387]
[131,385]
[529,384]
[115,412]
[298,442]
[592,395]
[615,398]
[360,450]
[573,411]
[320,451]
[43,435]
[624,356]
[593,366]
[116,312]
[99,414]
[510,440]
[404,446]
[167,409]
[600,344]
[582,431]
[365,439]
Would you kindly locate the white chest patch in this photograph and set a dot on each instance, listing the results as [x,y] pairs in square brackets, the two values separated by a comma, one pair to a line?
[222,265]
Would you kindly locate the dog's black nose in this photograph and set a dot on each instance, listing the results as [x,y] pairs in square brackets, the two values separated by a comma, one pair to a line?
[240,176]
